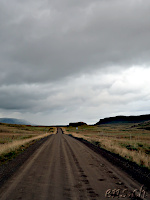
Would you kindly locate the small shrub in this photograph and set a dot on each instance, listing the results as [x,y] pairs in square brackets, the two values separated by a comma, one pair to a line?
[96,143]
[131,148]
[140,145]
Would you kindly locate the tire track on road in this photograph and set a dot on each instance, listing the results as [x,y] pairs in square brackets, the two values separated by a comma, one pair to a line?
[83,183]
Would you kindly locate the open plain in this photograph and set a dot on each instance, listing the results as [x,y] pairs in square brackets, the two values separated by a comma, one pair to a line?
[64,168]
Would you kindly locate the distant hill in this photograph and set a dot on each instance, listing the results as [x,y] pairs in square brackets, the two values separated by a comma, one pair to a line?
[14,121]
[75,124]
[124,119]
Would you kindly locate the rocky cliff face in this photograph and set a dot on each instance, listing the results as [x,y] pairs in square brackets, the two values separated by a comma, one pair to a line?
[124,119]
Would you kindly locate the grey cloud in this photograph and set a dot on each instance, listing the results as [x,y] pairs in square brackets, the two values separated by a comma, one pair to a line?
[23,97]
[47,41]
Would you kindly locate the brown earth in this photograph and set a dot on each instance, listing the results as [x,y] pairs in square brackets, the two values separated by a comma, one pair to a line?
[63,168]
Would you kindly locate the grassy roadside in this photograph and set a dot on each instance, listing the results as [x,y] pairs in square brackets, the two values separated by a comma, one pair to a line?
[127,140]
[16,138]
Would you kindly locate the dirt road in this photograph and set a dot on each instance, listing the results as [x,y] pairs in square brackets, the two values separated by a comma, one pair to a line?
[64,168]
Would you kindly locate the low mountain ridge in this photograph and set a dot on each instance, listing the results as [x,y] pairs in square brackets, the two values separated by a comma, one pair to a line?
[14,121]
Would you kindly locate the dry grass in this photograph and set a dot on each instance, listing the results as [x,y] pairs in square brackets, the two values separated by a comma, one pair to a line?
[12,146]
[126,140]
[14,136]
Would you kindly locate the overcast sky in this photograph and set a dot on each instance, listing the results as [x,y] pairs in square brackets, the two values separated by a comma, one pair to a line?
[68,60]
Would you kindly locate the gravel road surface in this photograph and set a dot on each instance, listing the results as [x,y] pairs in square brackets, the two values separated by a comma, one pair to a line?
[63,168]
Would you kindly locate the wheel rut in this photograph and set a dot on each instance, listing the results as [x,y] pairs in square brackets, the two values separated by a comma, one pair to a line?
[83,185]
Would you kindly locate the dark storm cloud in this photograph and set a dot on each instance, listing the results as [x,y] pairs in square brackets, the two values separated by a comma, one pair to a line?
[44,41]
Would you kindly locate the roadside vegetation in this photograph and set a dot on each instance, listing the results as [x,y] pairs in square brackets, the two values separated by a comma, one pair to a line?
[16,138]
[131,141]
